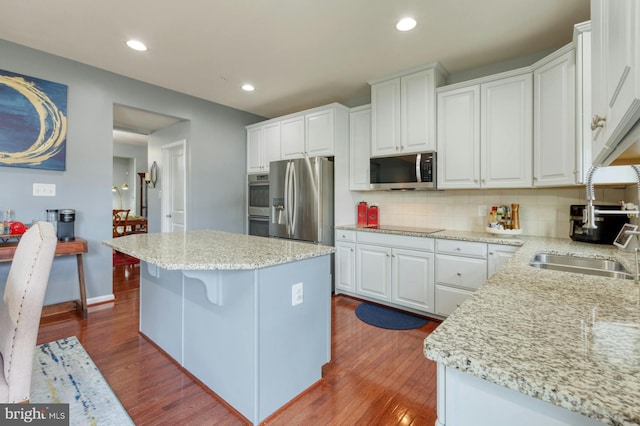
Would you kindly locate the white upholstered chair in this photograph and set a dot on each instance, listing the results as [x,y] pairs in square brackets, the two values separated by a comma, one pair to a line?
[21,308]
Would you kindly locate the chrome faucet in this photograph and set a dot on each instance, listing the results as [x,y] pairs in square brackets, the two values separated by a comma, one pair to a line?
[590,212]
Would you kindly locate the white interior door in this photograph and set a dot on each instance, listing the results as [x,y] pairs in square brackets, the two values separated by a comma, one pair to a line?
[173,187]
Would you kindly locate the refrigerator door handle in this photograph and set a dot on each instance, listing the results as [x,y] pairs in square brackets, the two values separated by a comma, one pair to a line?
[293,205]
[286,196]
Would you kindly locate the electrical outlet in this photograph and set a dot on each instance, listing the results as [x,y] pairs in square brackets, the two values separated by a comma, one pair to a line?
[296,294]
[44,189]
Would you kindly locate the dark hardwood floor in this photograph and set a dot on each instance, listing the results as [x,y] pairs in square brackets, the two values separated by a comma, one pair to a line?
[376,377]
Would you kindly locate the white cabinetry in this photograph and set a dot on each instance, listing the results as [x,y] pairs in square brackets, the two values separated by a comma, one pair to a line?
[263,146]
[374,271]
[345,261]
[462,267]
[459,138]
[615,76]
[498,255]
[390,269]
[359,147]
[554,119]
[467,400]
[490,124]
[506,133]
[292,138]
[403,112]
[311,133]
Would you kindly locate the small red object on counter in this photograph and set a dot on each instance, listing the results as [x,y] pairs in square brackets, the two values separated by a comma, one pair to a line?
[362,214]
[373,216]
[17,228]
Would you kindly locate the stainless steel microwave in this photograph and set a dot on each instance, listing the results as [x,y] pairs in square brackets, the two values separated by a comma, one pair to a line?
[404,172]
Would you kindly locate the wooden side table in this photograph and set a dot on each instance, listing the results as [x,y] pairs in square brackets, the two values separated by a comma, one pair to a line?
[76,247]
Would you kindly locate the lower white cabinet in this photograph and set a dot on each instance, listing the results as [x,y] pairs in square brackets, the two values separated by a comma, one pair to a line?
[390,269]
[345,261]
[467,400]
[422,274]
[462,267]
[498,255]
[412,279]
[374,271]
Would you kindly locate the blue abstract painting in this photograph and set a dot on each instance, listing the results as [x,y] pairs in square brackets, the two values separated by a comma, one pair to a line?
[33,122]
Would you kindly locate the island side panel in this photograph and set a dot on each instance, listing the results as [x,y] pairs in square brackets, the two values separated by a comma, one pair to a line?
[294,341]
[220,340]
[161,308]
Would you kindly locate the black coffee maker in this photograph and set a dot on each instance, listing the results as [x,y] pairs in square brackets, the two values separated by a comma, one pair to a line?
[66,225]
[609,225]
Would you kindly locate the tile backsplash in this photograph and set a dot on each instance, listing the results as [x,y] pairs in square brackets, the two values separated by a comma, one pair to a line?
[543,212]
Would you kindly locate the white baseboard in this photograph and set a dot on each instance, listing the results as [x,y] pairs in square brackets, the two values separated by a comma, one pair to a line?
[100,299]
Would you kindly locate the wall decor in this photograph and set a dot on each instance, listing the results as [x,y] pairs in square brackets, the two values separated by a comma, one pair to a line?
[33,122]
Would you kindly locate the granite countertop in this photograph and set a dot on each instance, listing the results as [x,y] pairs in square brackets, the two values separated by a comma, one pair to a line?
[209,249]
[440,234]
[569,339]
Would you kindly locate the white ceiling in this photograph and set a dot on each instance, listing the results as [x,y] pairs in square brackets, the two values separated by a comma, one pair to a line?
[298,53]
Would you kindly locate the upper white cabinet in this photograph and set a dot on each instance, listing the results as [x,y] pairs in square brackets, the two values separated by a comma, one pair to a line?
[292,137]
[554,119]
[359,147]
[263,146]
[615,77]
[313,133]
[459,138]
[403,112]
[506,133]
[310,133]
[499,110]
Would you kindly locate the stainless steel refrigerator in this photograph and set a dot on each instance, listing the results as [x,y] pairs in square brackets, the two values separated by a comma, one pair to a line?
[301,199]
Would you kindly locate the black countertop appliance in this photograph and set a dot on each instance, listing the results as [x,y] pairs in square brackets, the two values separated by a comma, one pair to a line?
[66,225]
[608,225]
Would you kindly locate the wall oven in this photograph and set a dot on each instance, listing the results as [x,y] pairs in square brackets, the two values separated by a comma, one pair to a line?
[258,208]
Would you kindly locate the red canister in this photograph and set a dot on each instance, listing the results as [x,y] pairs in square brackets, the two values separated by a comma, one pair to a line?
[362,214]
[373,216]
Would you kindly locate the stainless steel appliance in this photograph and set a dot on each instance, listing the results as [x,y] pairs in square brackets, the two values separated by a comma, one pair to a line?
[258,208]
[608,225]
[301,196]
[415,171]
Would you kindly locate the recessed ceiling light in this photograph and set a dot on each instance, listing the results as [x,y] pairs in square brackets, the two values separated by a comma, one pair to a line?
[248,87]
[137,45]
[406,24]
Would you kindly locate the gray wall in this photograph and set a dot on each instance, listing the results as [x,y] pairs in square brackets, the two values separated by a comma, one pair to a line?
[216,169]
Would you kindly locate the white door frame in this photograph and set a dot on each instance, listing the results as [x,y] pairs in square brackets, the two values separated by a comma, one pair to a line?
[165,220]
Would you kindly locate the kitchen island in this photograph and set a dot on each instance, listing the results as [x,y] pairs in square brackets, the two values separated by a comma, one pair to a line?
[248,316]
[535,346]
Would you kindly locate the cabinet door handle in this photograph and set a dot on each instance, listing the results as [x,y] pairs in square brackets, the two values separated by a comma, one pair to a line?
[490,253]
[597,121]
[459,274]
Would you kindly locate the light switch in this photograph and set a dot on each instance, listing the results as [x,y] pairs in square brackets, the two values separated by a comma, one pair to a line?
[44,189]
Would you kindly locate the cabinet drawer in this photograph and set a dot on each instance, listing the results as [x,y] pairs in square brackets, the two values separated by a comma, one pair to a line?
[391,240]
[449,298]
[460,271]
[462,248]
[345,235]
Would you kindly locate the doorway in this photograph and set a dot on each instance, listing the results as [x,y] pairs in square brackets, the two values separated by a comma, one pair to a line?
[174,185]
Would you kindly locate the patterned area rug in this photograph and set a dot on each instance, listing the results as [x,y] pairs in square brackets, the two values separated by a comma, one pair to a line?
[63,372]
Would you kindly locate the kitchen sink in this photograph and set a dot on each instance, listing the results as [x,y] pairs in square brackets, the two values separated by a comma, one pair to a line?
[580,265]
